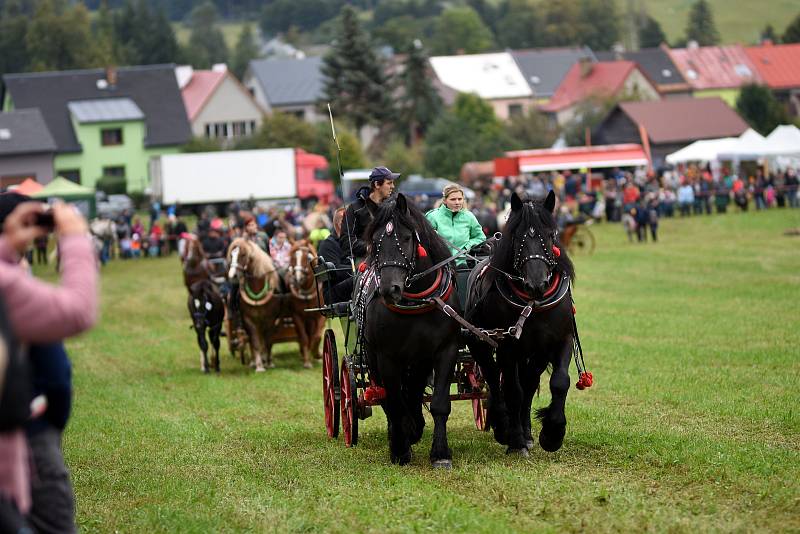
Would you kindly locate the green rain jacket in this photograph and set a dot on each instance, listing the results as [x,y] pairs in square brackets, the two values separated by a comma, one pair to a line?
[461,229]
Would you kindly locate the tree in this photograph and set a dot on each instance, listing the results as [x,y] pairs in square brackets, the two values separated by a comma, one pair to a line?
[351,155]
[759,107]
[768,34]
[561,22]
[420,103]
[650,34]
[599,24]
[401,158]
[59,37]
[700,25]
[792,33]
[13,29]
[246,49]
[142,36]
[206,42]
[461,30]
[355,82]
[467,132]
[280,130]
[532,130]
[520,26]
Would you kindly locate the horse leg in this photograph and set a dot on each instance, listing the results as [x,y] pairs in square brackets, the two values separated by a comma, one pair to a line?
[554,422]
[201,340]
[256,344]
[414,393]
[302,339]
[497,416]
[441,455]
[395,407]
[512,392]
[214,335]
[531,376]
[314,329]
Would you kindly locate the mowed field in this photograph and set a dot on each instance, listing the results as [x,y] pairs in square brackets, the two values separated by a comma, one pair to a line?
[693,423]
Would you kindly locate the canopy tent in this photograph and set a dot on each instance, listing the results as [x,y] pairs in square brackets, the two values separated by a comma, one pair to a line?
[29,187]
[703,150]
[582,157]
[785,140]
[82,197]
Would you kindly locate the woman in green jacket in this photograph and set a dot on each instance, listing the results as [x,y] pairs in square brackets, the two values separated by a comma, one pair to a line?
[454,223]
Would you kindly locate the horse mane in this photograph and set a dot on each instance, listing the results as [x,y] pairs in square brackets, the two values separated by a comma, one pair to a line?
[300,243]
[532,215]
[260,262]
[413,219]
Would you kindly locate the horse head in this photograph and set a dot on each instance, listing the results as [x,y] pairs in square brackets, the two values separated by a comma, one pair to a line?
[394,246]
[301,260]
[246,258]
[532,235]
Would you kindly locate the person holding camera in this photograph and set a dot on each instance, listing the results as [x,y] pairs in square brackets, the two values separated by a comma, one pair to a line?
[40,316]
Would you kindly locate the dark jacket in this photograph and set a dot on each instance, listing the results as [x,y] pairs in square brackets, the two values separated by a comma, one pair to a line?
[356,219]
[52,377]
[340,286]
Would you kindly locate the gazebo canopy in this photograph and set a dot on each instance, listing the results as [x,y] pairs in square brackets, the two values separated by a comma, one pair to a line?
[29,187]
[63,188]
[703,150]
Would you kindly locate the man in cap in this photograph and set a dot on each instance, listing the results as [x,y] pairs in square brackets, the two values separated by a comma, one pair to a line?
[359,212]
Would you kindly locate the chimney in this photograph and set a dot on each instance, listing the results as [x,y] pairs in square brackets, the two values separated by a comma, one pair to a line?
[585,66]
[111,76]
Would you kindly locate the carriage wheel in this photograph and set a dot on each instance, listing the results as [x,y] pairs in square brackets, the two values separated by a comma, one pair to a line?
[349,403]
[330,384]
[479,413]
[582,241]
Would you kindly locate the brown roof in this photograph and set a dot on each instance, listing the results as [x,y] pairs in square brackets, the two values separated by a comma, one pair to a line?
[685,119]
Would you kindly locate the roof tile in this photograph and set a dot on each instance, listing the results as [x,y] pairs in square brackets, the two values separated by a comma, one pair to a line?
[778,65]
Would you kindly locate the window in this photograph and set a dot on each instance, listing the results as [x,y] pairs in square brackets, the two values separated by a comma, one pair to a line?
[73,175]
[252,127]
[111,137]
[299,113]
[114,171]
[322,175]
[515,110]
[209,130]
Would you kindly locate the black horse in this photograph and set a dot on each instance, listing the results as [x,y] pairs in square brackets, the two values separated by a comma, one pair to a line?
[208,312]
[528,268]
[406,336]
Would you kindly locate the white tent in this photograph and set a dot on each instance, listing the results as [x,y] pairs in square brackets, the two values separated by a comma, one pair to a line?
[703,150]
[785,140]
[751,145]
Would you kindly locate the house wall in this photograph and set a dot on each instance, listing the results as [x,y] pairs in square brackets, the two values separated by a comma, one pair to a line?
[617,129]
[728,95]
[637,84]
[501,106]
[307,112]
[131,154]
[37,166]
[252,84]
[230,103]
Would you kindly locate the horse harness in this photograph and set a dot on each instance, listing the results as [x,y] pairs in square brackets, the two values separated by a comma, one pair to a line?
[295,289]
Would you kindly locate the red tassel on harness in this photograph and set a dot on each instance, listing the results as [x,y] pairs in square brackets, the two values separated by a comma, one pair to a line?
[362,266]
[421,252]
[556,251]
[585,381]
[374,394]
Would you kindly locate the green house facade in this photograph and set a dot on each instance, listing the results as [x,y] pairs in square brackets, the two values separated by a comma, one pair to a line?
[106,122]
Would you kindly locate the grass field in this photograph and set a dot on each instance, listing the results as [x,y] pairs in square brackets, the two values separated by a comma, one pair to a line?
[692,424]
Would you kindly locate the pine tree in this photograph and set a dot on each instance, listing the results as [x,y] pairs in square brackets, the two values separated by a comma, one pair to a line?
[561,22]
[520,24]
[104,34]
[768,34]
[792,33]
[59,37]
[650,34]
[759,107]
[421,103]
[700,25]
[206,43]
[246,49]
[461,30]
[355,82]
[599,23]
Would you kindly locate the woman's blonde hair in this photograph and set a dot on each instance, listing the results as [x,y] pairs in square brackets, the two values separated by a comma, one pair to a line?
[450,189]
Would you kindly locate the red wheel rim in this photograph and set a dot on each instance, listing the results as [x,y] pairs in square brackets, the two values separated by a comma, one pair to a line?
[329,385]
[348,405]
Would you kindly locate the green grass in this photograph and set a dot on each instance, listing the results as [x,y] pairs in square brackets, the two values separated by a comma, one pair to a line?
[230,30]
[692,425]
[737,22]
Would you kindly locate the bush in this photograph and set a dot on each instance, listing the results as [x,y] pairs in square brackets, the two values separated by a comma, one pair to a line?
[112,185]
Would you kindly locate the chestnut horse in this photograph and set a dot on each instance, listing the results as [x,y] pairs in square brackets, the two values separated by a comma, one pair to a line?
[303,293]
[195,266]
[260,306]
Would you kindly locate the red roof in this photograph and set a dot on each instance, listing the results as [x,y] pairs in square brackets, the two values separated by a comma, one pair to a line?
[199,89]
[595,157]
[778,65]
[585,79]
[715,67]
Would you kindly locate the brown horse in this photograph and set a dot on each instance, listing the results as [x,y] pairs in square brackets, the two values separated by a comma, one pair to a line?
[260,306]
[195,266]
[303,294]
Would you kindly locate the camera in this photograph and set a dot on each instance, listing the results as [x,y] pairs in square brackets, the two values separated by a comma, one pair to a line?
[45,219]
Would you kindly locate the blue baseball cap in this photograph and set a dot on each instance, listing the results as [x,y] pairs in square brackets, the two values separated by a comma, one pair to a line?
[382,173]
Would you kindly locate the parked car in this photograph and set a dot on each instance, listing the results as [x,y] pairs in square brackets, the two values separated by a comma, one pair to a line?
[113,205]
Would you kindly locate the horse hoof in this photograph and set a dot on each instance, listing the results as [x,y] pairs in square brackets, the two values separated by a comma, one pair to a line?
[442,464]
[518,452]
[260,370]
[552,441]
[529,444]
[308,365]
[403,459]
[270,365]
